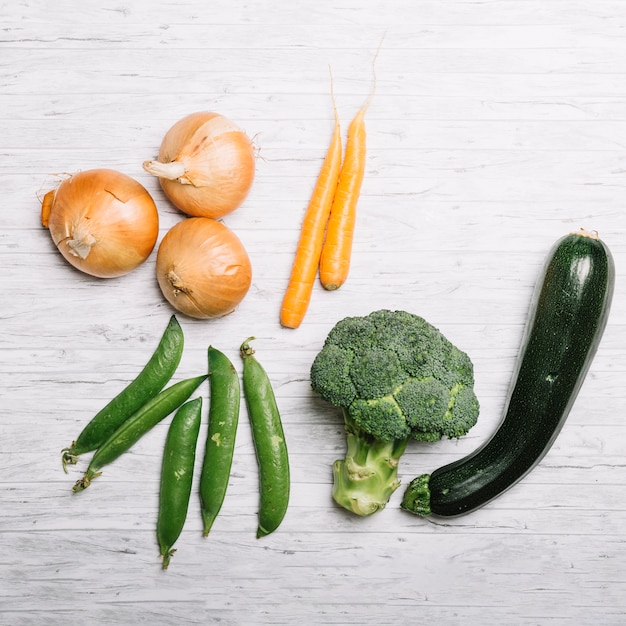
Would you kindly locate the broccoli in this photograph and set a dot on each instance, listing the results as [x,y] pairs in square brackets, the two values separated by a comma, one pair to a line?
[395,377]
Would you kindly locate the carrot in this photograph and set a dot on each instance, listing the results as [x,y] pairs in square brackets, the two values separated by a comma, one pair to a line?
[337,249]
[304,270]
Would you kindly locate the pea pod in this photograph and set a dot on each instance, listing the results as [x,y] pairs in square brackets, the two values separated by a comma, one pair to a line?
[148,416]
[220,443]
[269,442]
[153,377]
[179,458]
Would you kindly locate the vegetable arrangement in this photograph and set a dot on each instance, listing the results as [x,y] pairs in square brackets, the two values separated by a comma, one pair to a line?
[106,224]
[394,376]
[137,409]
[569,311]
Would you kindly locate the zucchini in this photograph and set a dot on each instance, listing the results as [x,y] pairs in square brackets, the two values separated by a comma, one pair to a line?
[568,313]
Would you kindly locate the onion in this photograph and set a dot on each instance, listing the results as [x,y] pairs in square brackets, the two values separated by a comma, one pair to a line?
[202,268]
[103,222]
[205,165]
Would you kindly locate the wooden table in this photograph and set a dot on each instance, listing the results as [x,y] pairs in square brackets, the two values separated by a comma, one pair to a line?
[496,128]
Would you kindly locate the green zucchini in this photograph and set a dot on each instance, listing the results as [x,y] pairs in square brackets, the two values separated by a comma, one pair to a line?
[568,313]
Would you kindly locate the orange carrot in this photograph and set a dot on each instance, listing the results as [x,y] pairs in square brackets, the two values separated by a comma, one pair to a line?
[337,249]
[306,262]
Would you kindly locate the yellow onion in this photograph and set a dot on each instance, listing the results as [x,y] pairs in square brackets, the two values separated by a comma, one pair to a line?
[103,222]
[205,165]
[203,268]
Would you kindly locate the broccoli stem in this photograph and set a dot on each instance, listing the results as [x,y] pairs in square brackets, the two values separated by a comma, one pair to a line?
[366,478]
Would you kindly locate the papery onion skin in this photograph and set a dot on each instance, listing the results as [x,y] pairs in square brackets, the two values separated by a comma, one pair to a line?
[203,268]
[206,165]
[103,222]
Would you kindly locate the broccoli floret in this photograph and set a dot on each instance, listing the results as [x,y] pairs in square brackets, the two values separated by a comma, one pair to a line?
[376,373]
[333,374]
[396,378]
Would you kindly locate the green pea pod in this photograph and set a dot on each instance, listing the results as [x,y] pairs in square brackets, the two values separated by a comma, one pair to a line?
[179,458]
[269,442]
[153,377]
[220,443]
[148,416]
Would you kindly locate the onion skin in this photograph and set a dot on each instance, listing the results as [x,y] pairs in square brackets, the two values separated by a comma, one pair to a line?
[203,268]
[103,222]
[206,165]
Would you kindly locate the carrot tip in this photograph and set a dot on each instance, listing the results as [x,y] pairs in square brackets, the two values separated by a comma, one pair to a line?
[287,322]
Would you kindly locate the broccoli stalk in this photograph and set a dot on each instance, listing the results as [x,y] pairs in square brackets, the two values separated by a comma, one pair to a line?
[366,478]
[395,377]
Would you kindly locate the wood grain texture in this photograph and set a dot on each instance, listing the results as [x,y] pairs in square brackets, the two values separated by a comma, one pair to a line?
[496,128]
